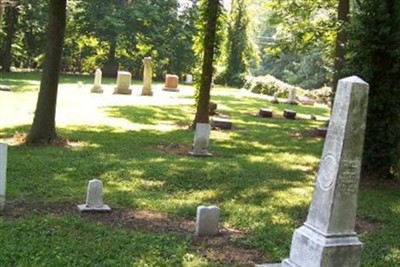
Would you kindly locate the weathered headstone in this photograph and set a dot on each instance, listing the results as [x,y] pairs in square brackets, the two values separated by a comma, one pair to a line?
[327,238]
[289,114]
[97,82]
[3,172]
[207,220]
[274,99]
[171,83]
[94,198]
[265,113]
[221,123]
[147,73]
[201,140]
[292,97]
[123,83]
[189,79]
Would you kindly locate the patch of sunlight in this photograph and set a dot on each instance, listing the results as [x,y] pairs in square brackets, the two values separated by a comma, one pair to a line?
[151,184]
[281,218]
[64,177]
[203,195]
[393,256]
[122,186]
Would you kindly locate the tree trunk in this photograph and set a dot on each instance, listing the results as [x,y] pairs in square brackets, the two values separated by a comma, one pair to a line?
[341,41]
[212,13]
[43,128]
[110,68]
[11,16]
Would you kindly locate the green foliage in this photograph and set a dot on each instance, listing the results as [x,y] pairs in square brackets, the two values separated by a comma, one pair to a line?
[374,56]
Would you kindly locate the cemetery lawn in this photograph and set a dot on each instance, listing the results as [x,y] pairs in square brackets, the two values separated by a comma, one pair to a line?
[261,177]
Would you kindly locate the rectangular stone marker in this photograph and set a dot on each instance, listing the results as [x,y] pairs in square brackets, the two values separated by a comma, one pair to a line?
[207,220]
[189,79]
[292,97]
[94,198]
[3,173]
[327,238]
[201,140]
[265,113]
[171,83]
[123,83]
[97,82]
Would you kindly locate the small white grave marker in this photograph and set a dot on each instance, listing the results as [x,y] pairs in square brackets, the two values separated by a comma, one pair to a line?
[97,82]
[3,171]
[201,140]
[94,198]
[207,220]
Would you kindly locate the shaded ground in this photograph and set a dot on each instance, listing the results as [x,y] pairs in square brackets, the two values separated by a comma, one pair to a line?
[225,248]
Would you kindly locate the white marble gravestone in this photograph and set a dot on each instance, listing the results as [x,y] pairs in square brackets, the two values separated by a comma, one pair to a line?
[292,97]
[189,79]
[201,140]
[207,219]
[97,82]
[147,73]
[327,238]
[94,198]
[123,83]
[3,172]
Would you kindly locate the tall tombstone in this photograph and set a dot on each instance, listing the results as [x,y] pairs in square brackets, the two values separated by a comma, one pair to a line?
[97,82]
[3,172]
[189,79]
[147,73]
[327,238]
[123,83]
[292,97]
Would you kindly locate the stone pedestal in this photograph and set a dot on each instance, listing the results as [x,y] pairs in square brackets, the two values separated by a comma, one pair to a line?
[265,113]
[147,73]
[201,140]
[207,219]
[3,174]
[97,82]
[123,83]
[327,238]
[274,99]
[221,123]
[289,114]
[171,83]
[94,198]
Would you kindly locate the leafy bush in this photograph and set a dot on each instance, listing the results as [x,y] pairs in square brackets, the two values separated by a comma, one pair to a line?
[269,85]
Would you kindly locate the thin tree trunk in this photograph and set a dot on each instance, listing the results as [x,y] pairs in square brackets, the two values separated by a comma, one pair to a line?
[43,128]
[11,16]
[202,114]
[341,41]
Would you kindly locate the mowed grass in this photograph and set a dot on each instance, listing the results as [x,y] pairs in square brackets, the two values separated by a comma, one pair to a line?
[261,177]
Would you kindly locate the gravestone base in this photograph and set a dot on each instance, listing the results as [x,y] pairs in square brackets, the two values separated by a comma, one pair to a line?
[171,89]
[312,249]
[292,102]
[200,154]
[122,91]
[97,90]
[86,208]
[5,88]
[265,113]
[321,132]
[223,124]
[289,114]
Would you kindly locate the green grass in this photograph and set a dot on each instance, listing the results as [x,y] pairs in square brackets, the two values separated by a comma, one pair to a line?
[261,176]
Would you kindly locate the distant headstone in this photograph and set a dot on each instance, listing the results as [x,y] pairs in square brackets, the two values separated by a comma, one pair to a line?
[292,97]
[221,123]
[265,113]
[97,82]
[212,107]
[321,132]
[171,83]
[201,140]
[147,73]
[3,172]
[123,83]
[189,79]
[289,114]
[207,220]
[307,101]
[327,238]
[94,198]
